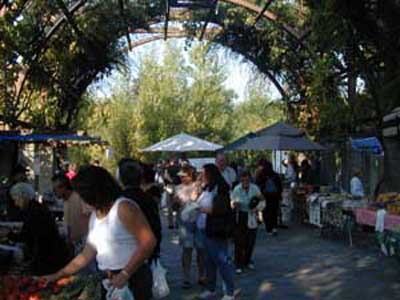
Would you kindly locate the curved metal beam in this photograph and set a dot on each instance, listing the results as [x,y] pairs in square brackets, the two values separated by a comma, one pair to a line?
[72,9]
[241,3]
[266,14]
[44,44]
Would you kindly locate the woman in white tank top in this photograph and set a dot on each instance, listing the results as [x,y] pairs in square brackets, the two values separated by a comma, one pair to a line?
[119,236]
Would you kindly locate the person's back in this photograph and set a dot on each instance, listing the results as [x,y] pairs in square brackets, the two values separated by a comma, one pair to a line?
[150,210]
[130,174]
[172,174]
[356,187]
[43,242]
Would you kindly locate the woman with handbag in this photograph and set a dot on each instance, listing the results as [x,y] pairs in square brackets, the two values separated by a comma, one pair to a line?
[215,221]
[245,200]
[186,195]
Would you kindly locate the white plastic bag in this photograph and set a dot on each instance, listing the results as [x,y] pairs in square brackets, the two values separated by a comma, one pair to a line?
[160,285]
[117,294]
[189,212]
[252,222]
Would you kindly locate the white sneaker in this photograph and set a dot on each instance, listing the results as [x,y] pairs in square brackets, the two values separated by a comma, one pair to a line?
[226,297]
[251,266]
[206,295]
[239,271]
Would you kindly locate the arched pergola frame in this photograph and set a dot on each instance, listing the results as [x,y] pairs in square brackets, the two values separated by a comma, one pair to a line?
[67,16]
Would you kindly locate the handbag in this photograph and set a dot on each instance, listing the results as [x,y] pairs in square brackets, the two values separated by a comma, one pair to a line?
[189,212]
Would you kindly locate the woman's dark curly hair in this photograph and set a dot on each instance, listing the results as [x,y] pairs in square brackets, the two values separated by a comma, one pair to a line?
[96,187]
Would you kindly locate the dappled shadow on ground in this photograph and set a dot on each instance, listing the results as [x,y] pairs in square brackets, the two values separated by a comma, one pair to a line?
[299,265]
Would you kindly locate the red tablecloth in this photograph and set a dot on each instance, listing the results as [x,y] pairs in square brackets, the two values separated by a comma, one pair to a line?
[368,217]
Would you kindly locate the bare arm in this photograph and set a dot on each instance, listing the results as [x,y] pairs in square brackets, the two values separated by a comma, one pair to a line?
[79,262]
[135,222]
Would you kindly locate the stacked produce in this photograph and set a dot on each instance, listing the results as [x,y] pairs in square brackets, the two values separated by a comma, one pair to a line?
[391,201]
[29,288]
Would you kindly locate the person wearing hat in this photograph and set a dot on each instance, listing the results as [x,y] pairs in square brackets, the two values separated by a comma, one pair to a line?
[186,195]
[245,198]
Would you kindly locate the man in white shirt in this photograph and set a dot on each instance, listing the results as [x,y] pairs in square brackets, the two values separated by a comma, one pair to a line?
[76,212]
[227,172]
[356,186]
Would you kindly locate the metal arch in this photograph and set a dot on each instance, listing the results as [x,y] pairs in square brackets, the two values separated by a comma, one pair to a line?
[72,9]
[43,45]
[241,3]
[208,34]
[266,14]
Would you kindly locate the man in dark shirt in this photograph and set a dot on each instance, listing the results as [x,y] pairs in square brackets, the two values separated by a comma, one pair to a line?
[130,175]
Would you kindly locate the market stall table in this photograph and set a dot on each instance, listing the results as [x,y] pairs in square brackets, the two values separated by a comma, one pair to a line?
[333,212]
[366,216]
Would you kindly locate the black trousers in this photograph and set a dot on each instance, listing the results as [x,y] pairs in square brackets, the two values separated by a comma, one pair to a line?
[270,214]
[140,283]
[245,239]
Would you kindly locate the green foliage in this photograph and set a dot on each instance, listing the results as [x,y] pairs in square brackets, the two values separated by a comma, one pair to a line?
[49,69]
[310,52]
[171,96]
[258,112]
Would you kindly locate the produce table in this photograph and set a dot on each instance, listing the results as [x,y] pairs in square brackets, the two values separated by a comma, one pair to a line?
[30,288]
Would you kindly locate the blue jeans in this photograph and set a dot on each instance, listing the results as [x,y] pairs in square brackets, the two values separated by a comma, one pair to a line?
[217,257]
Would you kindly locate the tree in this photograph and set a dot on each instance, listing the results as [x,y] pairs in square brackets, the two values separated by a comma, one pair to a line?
[161,92]
[207,110]
[258,111]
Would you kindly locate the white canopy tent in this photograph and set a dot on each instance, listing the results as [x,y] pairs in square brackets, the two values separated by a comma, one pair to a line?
[183,143]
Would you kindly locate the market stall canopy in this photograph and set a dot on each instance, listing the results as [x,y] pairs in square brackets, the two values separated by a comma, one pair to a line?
[281,128]
[371,144]
[183,143]
[42,138]
[276,129]
[240,141]
[280,136]
[281,143]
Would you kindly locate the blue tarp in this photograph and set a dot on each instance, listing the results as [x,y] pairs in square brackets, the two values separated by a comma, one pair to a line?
[37,138]
[371,144]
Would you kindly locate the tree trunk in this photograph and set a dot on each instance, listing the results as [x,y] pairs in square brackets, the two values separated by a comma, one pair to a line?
[391,177]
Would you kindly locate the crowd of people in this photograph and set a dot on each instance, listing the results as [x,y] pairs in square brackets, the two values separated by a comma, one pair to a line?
[113,224]
[218,210]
